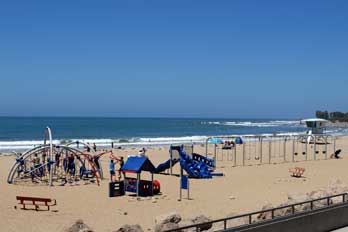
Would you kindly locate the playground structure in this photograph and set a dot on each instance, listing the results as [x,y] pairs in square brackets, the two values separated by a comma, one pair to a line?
[142,188]
[51,164]
[267,149]
[195,165]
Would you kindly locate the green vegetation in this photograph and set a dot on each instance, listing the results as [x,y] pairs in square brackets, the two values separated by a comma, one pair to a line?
[333,116]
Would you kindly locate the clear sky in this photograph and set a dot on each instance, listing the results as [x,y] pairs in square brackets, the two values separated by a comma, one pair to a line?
[173,58]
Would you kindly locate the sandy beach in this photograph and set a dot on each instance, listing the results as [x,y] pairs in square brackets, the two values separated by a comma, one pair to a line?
[241,190]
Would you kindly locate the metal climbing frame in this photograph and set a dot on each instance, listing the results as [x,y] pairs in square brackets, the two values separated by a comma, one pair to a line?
[48,164]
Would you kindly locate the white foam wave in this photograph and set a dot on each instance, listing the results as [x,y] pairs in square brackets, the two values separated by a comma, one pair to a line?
[275,123]
[25,145]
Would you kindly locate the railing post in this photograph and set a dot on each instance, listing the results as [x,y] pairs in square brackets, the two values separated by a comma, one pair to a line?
[293,209]
[311,205]
[225,224]
[250,219]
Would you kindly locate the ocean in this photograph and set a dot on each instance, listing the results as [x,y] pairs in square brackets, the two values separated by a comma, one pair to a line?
[21,133]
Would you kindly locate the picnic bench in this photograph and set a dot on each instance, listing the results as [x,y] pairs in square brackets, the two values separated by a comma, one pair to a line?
[297,172]
[36,201]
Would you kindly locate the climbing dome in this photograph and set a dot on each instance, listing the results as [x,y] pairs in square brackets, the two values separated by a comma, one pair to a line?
[50,164]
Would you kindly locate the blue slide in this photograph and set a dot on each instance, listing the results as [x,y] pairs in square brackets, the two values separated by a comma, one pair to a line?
[164,166]
[193,168]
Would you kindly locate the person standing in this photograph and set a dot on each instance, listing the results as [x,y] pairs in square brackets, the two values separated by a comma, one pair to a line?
[120,169]
[142,152]
[94,147]
[112,170]
[88,149]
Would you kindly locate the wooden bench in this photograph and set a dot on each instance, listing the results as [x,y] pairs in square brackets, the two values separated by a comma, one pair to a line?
[297,172]
[36,201]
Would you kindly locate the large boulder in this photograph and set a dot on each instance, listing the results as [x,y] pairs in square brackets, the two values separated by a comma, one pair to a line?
[172,217]
[79,226]
[317,195]
[202,219]
[284,211]
[167,222]
[336,186]
[129,228]
[294,197]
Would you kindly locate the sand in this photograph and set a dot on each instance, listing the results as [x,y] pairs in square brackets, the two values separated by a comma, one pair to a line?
[241,190]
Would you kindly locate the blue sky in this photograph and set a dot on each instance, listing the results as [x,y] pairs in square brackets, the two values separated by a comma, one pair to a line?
[177,58]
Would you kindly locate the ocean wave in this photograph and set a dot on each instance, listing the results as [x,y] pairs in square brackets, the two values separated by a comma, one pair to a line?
[8,146]
[275,123]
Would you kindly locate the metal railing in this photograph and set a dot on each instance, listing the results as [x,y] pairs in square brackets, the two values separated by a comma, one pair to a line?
[327,202]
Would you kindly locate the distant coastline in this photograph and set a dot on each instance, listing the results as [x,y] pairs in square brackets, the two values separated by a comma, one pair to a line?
[337,118]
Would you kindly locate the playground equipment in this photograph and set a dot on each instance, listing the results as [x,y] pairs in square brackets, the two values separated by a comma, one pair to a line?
[297,172]
[174,157]
[196,166]
[143,188]
[51,164]
[267,149]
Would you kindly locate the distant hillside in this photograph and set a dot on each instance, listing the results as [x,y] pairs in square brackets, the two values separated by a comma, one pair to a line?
[333,116]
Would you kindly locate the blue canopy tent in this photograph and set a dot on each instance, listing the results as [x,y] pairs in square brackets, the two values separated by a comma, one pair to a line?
[215,141]
[137,164]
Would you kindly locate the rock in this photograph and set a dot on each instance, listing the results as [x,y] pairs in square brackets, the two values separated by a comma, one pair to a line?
[130,228]
[167,222]
[319,194]
[232,197]
[202,219]
[336,186]
[166,226]
[154,201]
[79,226]
[294,197]
[172,217]
[282,212]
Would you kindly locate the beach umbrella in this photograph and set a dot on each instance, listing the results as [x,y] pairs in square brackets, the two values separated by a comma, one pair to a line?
[215,140]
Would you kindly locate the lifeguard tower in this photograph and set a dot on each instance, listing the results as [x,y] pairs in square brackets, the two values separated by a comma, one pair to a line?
[316,126]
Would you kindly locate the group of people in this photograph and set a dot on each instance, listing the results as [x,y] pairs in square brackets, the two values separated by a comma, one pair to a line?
[88,148]
[113,161]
